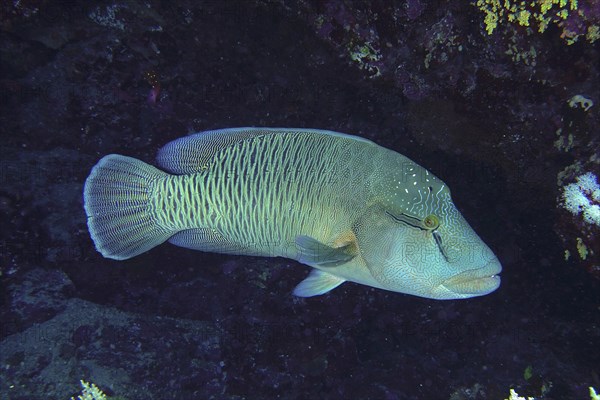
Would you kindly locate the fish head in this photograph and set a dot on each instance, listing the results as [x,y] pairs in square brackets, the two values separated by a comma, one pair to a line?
[428,251]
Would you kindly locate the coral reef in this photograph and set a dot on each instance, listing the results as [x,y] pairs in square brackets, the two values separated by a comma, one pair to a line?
[576,18]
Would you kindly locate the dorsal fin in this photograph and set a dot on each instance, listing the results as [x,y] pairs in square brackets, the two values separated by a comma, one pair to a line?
[193,153]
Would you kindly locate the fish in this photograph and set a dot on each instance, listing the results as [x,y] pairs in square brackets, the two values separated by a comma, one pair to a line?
[347,207]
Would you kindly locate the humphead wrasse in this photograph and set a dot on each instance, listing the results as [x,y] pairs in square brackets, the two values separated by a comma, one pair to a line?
[349,208]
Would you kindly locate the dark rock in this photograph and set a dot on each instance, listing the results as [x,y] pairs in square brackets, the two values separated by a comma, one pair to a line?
[125,354]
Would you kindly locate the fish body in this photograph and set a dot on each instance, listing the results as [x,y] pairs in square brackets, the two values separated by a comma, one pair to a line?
[349,208]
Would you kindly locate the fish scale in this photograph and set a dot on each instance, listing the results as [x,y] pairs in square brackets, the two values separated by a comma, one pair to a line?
[259,195]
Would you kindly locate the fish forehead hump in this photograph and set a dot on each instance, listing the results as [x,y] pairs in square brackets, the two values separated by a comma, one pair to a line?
[403,186]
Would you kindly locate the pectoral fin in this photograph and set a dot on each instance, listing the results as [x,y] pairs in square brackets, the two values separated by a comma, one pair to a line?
[318,282]
[313,252]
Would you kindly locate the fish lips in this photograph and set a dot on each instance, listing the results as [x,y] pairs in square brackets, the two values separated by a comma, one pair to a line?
[476,282]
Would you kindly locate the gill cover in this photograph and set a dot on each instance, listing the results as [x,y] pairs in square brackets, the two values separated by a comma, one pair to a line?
[401,251]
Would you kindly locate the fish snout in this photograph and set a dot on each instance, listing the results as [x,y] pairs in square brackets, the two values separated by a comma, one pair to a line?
[476,282]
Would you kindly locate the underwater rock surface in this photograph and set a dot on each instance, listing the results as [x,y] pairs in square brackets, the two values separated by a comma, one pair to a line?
[496,117]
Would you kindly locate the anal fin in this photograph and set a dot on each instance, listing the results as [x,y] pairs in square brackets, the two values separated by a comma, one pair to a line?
[317,283]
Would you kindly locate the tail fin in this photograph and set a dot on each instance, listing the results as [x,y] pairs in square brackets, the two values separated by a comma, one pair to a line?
[117,198]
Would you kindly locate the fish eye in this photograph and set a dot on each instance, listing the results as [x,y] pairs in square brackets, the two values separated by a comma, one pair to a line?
[431,222]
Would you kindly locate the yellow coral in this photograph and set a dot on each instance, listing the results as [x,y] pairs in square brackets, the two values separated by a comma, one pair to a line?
[90,392]
[563,14]
[539,12]
[543,25]
[593,33]
[573,5]
[582,249]
[545,6]
[491,22]
[523,17]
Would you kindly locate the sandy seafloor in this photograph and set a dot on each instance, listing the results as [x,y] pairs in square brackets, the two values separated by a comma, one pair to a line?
[488,114]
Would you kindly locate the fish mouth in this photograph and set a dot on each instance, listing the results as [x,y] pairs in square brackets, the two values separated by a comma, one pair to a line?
[476,282]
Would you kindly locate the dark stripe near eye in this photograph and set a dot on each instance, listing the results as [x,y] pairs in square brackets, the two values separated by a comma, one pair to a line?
[417,223]
[408,220]
[438,241]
